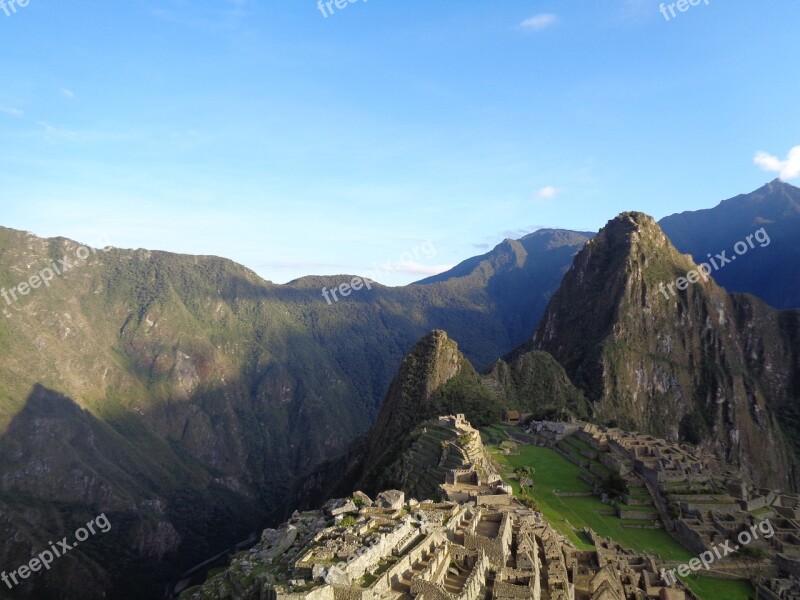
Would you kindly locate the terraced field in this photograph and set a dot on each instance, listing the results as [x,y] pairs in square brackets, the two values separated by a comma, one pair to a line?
[555,474]
[432,454]
[720,589]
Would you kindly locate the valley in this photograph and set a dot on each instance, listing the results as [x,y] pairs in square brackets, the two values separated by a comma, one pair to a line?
[415,301]
[175,394]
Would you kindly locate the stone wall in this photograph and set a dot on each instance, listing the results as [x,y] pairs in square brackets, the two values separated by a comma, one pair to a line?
[372,555]
[385,581]
[525,438]
[725,509]
[342,592]
[497,549]
[613,463]
[511,583]
[494,500]
[509,590]
[599,444]
[753,504]
[441,555]
[326,592]
[639,515]
[689,537]
[430,590]
[457,520]
[476,580]
[581,462]
[789,565]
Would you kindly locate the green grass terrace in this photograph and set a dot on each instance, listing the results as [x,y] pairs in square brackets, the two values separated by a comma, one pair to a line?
[569,515]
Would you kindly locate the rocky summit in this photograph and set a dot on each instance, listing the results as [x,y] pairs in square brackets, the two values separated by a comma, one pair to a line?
[703,365]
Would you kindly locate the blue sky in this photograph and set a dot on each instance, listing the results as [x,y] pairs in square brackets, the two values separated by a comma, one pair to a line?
[301,144]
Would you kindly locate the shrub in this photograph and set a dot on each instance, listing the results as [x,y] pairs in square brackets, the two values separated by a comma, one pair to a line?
[348,521]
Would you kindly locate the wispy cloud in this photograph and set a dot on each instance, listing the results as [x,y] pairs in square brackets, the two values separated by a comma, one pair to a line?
[786,169]
[52,133]
[310,266]
[196,15]
[13,112]
[539,22]
[67,93]
[546,193]
[416,268]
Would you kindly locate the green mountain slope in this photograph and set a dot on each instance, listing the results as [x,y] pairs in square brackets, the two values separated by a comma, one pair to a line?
[209,395]
[436,379]
[198,368]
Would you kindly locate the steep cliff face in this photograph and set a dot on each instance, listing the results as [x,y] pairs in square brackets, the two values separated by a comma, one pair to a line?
[431,451]
[418,393]
[436,379]
[701,365]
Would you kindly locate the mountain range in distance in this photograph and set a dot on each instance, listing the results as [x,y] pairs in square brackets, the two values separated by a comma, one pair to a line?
[186,398]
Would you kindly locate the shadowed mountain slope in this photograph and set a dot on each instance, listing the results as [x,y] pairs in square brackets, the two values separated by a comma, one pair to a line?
[770,272]
[236,383]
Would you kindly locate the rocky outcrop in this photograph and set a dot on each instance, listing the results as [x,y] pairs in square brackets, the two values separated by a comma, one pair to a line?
[702,365]
[434,361]
[413,397]
[534,381]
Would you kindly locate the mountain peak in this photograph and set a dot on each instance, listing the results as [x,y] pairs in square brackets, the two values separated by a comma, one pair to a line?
[634,216]
[629,238]
[432,362]
[628,222]
[652,362]
[777,185]
[775,208]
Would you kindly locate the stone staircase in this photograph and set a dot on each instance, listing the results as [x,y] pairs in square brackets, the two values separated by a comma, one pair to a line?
[403,585]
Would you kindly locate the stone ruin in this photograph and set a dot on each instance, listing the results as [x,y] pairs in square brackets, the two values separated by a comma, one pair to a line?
[704,502]
[481,543]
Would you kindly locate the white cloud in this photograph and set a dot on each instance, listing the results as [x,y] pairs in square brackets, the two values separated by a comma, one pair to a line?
[786,169]
[546,193]
[8,110]
[539,22]
[417,268]
[67,93]
[405,267]
[52,133]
